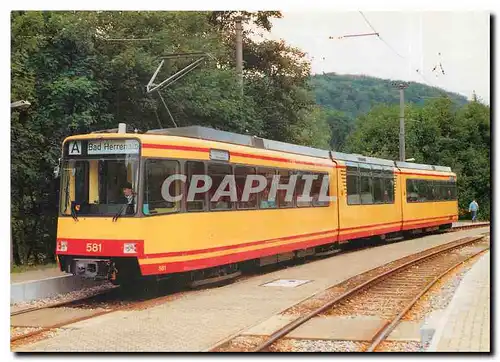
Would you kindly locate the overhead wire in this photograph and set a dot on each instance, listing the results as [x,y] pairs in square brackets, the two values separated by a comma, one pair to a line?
[418,71]
[369,24]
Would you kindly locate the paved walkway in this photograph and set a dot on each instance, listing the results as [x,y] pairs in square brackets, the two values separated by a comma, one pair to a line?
[466,324]
[197,320]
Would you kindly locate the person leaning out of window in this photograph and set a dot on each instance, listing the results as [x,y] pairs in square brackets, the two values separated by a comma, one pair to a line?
[129,200]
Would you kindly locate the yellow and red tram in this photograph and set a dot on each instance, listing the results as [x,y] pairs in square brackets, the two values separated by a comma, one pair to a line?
[368,197]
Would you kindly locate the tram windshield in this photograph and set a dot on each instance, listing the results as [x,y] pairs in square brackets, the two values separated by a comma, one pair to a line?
[99,185]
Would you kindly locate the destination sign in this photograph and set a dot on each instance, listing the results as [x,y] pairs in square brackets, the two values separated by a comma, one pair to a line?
[102,147]
[106,147]
[219,155]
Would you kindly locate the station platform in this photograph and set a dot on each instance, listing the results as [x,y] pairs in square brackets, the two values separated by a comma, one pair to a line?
[195,321]
[463,223]
[465,325]
[49,282]
[39,274]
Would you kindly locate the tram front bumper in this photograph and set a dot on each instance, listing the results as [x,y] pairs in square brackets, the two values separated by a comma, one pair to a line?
[97,269]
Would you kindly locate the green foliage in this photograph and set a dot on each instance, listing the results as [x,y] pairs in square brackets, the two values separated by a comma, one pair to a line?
[340,127]
[376,133]
[442,128]
[347,97]
[225,19]
[32,267]
[358,94]
[80,75]
[313,130]
[437,133]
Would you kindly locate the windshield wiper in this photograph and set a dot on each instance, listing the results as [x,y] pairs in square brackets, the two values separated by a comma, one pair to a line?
[66,194]
[119,213]
[73,213]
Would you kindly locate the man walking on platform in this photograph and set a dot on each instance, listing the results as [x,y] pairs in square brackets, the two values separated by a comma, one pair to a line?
[473,207]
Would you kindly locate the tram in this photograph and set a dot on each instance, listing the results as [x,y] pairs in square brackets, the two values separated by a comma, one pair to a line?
[101,234]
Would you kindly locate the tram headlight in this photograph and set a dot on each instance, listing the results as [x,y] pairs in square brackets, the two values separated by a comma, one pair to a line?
[62,246]
[130,248]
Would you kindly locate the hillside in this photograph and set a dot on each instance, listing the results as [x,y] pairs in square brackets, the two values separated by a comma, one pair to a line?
[357,94]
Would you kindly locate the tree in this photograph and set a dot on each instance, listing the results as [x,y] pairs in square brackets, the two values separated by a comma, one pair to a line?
[437,133]
[85,71]
[472,159]
[340,127]
[357,94]
[376,133]
[226,19]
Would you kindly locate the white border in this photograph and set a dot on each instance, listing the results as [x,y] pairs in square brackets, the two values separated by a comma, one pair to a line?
[365,5]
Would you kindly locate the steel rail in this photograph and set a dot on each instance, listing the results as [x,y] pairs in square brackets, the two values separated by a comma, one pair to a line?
[131,306]
[389,327]
[299,321]
[62,303]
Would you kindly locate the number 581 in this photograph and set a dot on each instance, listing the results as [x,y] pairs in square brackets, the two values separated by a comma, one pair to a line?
[94,248]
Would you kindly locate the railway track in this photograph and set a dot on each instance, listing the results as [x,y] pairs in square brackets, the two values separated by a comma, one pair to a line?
[40,320]
[384,294]
[62,303]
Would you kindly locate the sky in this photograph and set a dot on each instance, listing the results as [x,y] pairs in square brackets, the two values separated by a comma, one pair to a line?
[414,40]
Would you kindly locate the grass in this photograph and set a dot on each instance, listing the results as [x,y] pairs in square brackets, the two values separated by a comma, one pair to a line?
[25,268]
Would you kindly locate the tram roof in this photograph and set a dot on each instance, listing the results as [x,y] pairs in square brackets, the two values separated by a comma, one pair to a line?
[419,166]
[210,134]
[348,157]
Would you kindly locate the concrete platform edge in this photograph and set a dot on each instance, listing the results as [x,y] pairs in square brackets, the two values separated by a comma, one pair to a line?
[443,320]
[44,288]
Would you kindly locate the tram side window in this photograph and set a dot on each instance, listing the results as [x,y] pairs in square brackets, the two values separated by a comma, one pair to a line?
[448,190]
[389,190]
[411,191]
[217,172]
[241,174]
[365,184]
[432,194]
[430,190]
[449,194]
[387,186]
[423,190]
[281,194]
[353,197]
[445,190]
[299,189]
[366,190]
[157,171]
[436,189]
[453,189]
[439,190]
[264,202]
[198,203]
[378,189]
[316,190]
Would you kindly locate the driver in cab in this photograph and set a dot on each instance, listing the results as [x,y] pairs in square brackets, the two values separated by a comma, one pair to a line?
[129,194]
